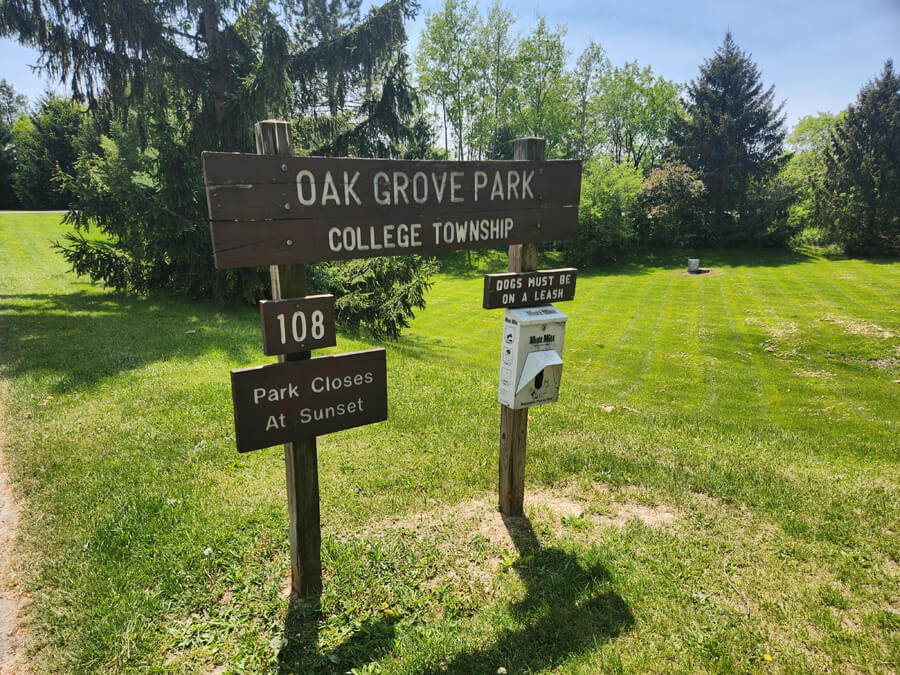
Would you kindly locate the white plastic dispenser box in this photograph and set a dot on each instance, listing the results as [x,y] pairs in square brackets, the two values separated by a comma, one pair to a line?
[531,356]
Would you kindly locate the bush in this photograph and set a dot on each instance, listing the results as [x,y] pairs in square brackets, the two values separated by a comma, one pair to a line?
[45,149]
[671,208]
[606,229]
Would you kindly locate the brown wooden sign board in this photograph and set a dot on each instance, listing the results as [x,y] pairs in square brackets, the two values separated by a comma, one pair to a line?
[284,402]
[529,289]
[297,324]
[267,210]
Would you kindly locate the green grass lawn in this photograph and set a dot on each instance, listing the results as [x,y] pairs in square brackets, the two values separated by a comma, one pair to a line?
[717,489]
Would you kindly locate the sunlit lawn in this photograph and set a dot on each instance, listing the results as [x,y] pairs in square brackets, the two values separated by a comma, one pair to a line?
[716,489]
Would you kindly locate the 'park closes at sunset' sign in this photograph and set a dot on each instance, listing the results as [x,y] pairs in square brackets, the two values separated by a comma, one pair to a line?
[276,210]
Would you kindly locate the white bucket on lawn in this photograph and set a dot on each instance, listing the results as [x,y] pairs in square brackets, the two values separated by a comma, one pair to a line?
[693,264]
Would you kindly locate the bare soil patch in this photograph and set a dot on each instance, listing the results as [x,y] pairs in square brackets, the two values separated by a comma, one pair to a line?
[704,272]
[859,327]
[560,503]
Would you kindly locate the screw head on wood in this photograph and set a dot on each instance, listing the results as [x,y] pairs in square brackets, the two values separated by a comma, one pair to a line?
[287,206]
[289,242]
[283,168]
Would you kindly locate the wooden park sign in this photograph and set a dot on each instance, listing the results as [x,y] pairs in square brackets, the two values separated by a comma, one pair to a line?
[283,211]
[528,289]
[282,402]
[267,210]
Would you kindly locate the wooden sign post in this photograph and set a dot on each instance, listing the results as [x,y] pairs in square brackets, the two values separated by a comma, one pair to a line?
[300,459]
[273,207]
[514,423]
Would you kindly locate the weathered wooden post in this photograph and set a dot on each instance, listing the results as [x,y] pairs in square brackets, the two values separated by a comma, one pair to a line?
[514,423]
[273,207]
[273,137]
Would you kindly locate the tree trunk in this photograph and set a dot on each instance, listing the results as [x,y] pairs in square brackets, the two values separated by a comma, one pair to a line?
[218,81]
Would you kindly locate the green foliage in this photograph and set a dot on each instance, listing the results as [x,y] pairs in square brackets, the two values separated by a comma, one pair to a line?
[588,81]
[543,106]
[379,293]
[671,208]
[169,81]
[862,169]
[496,86]
[141,198]
[7,167]
[609,194]
[732,135]
[45,150]
[446,60]
[804,173]
[636,112]
[12,104]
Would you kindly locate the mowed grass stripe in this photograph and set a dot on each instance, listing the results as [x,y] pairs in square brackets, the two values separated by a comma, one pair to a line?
[848,293]
[152,545]
[806,375]
[623,332]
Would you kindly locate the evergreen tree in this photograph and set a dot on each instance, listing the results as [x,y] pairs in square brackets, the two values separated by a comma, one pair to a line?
[7,167]
[45,146]
[733,136]
[862,167]
[12,106]
[169,80]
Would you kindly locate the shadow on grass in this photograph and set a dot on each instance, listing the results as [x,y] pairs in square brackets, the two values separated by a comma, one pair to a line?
[369,641]
[654,261]
[568,608]
[492,261]
[78,339]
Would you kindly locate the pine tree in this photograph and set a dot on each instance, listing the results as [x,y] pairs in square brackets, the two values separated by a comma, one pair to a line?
[169,80]
[733,135]
[862,169]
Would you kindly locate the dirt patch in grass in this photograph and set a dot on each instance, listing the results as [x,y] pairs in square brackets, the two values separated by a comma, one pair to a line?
[859,327]
[482,516]
[815,374]
[704,272]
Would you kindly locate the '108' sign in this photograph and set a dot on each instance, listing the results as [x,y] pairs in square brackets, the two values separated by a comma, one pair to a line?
[297,325]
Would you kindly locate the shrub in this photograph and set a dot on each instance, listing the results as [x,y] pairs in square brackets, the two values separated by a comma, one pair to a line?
[605,217]
[671,208]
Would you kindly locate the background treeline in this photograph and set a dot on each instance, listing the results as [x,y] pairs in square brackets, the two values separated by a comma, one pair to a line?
[666,164]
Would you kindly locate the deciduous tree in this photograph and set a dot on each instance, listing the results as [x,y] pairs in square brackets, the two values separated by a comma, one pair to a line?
[45,146]
[543,105]
[636,112]
[445,62]
[12,104]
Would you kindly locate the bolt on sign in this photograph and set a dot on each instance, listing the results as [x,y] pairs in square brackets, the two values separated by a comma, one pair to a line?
[283,402]
[529,289]
[267,210]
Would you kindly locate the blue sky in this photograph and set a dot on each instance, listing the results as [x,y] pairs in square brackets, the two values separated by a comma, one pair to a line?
[817,54]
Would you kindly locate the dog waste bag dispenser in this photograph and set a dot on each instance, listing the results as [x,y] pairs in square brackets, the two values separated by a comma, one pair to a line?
[531,359]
